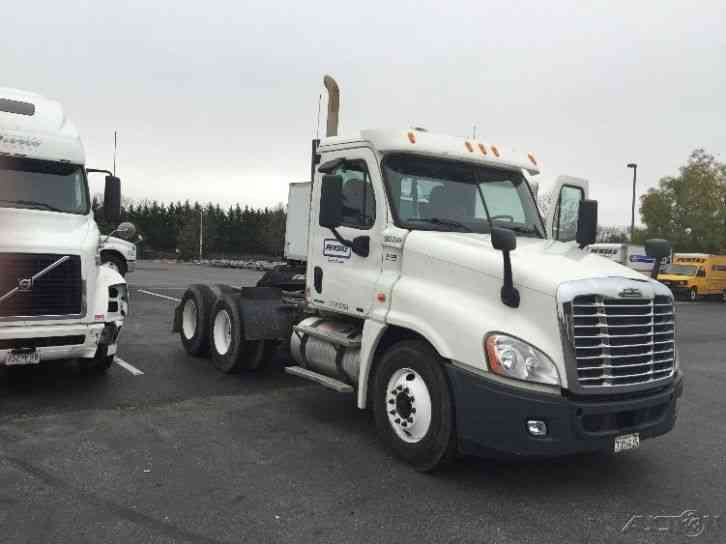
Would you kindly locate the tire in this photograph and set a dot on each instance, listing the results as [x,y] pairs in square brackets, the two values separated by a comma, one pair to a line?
[115,262]
[196,303]
[424,442]
[693,294]
[723,296]
[230,351]
[100,363]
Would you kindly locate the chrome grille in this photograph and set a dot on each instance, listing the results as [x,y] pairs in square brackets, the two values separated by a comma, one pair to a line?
[620,342]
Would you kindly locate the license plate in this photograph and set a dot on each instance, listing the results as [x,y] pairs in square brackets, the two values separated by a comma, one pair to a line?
[627,442]
[23,357]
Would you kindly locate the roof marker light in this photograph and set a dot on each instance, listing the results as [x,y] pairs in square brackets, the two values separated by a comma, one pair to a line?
[495,151]
[532,159]
[469,147]
[482,149]
[412,137]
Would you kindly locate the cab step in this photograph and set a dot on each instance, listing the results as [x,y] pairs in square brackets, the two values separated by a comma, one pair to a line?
[322,379]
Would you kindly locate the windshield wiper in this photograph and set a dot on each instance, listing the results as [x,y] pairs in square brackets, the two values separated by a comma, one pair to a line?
[524,229]
[33,203]
[441,222]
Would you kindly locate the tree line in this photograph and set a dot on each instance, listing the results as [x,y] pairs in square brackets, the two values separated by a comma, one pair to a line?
[172,229]
[688,209]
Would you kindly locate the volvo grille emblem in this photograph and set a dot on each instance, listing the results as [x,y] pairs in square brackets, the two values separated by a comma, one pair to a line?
[25,285]
[631,292]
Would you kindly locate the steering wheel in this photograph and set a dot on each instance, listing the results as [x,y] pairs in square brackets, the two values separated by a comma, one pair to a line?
[508,218]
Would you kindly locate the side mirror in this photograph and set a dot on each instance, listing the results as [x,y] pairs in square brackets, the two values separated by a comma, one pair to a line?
[112,199]
[658,249]
[505,241]
[331,202]
[586,223]
[126,230]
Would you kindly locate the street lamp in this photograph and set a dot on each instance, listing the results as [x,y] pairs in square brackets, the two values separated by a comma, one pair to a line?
[632,216]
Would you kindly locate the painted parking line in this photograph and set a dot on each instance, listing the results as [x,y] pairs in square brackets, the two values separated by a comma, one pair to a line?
[126,366]
[174,299]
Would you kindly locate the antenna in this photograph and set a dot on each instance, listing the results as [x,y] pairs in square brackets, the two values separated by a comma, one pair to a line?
[115,146]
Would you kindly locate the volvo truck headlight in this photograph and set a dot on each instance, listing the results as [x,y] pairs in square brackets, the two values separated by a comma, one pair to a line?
[513,358]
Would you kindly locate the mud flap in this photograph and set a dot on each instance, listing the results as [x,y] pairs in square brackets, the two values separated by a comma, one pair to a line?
[264,315]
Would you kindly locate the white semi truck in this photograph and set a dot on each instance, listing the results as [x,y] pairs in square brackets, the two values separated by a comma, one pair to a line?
[57,300]
[435,293]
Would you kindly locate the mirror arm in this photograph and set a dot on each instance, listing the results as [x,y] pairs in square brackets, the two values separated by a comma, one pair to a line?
[656,268]
[509,293]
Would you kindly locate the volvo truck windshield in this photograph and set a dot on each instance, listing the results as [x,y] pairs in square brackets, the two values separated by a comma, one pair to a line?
[431,194]
[43,185]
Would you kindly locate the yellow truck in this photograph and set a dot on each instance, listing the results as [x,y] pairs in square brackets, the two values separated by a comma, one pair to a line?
[696,275]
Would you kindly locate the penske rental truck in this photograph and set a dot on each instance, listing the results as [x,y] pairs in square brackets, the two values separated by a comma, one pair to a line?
[696,275]
[57,300]
[434,292]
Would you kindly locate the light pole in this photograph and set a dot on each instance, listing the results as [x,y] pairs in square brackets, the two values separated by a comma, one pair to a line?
[632,216]
[201,233]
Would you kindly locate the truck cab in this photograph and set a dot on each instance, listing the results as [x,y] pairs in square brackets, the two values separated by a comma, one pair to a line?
[436,294]
[57,301]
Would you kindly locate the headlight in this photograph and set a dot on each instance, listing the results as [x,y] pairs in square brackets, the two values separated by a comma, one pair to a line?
[513,358]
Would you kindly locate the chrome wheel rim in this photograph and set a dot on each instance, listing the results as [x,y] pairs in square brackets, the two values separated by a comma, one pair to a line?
[222,332]
[408,405]
[189,319]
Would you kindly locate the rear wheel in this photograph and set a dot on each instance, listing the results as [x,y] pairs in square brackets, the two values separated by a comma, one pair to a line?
[412,405]
[196,305]
[230,351]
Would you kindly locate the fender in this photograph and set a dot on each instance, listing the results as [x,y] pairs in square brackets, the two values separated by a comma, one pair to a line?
[99,305]
[372,334]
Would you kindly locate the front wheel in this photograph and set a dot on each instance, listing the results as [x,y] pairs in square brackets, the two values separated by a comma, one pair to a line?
[100,363]
[413,407]
[693,294]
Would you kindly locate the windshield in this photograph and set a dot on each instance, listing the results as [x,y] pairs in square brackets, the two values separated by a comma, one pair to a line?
[682,270]
[43,185]
[434,194]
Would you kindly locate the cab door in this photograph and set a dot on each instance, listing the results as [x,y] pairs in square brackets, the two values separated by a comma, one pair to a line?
[561,219]
[337,278]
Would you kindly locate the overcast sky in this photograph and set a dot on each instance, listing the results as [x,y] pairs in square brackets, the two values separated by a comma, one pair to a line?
[217,101]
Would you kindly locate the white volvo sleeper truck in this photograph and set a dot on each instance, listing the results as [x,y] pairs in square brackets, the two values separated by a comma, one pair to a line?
[57,300]
[438,296]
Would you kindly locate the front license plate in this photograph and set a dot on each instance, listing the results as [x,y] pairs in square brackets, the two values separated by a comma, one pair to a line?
[23,357]
[627,442]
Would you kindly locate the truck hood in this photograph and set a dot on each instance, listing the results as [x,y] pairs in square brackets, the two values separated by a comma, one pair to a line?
[537,264]
[38,231]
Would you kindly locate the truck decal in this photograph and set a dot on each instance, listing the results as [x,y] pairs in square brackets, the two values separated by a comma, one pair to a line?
[333,248]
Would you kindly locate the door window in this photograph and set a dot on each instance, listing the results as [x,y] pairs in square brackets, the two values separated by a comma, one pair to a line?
[359,201]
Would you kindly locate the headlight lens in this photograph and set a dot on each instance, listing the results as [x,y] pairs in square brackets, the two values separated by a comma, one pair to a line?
[513,358]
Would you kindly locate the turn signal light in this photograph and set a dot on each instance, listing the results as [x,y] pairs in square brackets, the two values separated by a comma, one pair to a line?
[482,149]
[469,147]
[495,151]
[412,137]
[532,159]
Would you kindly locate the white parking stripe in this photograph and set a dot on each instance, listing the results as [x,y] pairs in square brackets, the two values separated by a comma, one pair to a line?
[123,364]
[159,295]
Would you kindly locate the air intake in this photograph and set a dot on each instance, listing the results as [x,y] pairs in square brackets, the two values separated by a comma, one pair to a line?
[16,107]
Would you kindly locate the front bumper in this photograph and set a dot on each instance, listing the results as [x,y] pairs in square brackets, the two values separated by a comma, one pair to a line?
[130,266]
[491,417]
[55,342]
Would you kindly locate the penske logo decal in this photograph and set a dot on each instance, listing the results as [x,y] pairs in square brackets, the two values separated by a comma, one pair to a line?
[333,248]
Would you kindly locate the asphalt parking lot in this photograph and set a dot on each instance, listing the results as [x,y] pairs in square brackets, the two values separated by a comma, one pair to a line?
[166,449]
